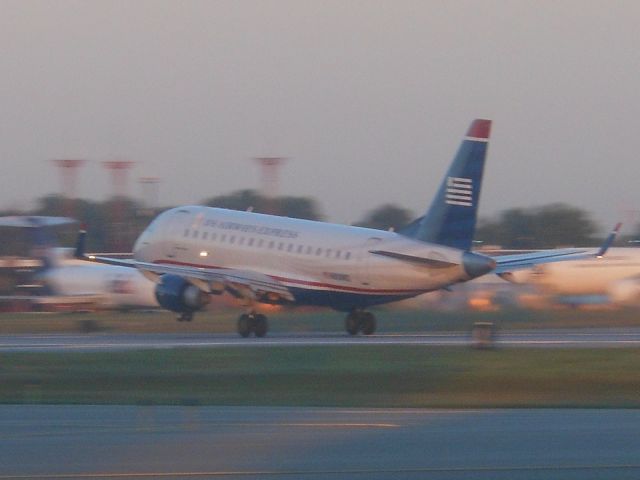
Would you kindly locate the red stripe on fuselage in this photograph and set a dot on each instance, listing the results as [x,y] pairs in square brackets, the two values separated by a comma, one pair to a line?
[302,282]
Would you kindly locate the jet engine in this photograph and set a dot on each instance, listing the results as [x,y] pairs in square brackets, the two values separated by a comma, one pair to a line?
[178,295]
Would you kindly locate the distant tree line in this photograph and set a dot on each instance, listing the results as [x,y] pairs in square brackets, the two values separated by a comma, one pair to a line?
[548,226]
[114,225]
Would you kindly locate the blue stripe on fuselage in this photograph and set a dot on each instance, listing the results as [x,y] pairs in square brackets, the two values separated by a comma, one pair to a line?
[343,301]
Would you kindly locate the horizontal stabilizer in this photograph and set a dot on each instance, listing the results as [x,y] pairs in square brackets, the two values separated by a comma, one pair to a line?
[427,262]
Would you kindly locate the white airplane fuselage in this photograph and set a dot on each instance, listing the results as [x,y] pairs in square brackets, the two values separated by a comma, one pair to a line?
[114,287]
[612,275]
[320,263]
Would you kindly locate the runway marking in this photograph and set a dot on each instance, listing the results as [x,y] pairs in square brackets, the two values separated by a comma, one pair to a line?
[321,425]
[559,338]
[183,427]
[306,473]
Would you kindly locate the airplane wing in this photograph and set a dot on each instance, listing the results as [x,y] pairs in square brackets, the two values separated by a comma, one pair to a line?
[240,283]
[119,262]
[509,263]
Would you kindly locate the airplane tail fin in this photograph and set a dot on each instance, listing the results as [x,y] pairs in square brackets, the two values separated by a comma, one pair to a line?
[42,240]
[451,218]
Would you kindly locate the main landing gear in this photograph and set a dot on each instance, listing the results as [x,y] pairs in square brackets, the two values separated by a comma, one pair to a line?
[252,322]
[360,321]
[185,317]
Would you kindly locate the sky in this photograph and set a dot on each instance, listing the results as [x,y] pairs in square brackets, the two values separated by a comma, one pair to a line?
[368,100]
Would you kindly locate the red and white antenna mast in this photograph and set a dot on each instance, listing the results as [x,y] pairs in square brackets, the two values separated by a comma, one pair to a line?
[68,168]
[119,170]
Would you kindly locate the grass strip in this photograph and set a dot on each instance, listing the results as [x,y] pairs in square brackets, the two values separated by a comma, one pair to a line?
[360,376]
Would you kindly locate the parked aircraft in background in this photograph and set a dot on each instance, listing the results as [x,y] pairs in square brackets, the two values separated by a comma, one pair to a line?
[193,251]
[65,278]
[616,277]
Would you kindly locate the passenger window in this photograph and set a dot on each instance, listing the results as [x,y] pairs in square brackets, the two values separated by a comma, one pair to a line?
[280,246]
[250,242]
[290,247]
[337,253]
[213,237]
[309,249]
[223,237]
[328,253]
[204,235]
[347,256]
[300,248]
[195,234]
[271,244]
[319,251]
[186,232]
[232,239]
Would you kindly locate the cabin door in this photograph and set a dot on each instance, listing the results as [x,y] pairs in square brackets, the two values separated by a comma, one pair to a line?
[175,234]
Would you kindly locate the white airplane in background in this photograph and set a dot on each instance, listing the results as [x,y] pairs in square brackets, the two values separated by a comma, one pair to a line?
[63,275]
[194,251]
[617,276]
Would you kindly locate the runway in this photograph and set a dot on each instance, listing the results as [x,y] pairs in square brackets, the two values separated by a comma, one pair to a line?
[581,338]
[101,442]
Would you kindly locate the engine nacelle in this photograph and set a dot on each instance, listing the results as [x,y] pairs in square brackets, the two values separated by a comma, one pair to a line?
[178,295]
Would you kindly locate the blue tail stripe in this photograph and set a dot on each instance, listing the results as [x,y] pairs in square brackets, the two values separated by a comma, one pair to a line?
[452,216]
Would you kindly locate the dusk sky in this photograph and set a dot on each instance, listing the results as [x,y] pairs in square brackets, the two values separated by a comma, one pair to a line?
[368,99]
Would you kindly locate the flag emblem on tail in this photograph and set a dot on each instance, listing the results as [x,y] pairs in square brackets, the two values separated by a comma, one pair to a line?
[459,191]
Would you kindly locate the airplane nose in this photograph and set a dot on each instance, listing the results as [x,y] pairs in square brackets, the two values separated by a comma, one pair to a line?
[477,265]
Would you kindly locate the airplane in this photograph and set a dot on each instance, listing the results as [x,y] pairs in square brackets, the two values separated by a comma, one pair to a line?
[63,277]
[191,252]
[616,278]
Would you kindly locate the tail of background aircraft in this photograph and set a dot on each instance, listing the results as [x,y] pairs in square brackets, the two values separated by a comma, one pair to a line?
[41,237]
[451,218]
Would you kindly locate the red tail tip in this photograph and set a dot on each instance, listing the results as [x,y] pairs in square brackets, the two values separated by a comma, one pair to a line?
[480,129]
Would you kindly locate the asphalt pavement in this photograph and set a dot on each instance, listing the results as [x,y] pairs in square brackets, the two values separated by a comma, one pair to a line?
[552,338]
[100,442]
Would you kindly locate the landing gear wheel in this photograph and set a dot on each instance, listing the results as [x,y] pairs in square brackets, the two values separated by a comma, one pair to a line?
[352,323]
[245,325]
[260,325]
[367,323]
[185,317]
